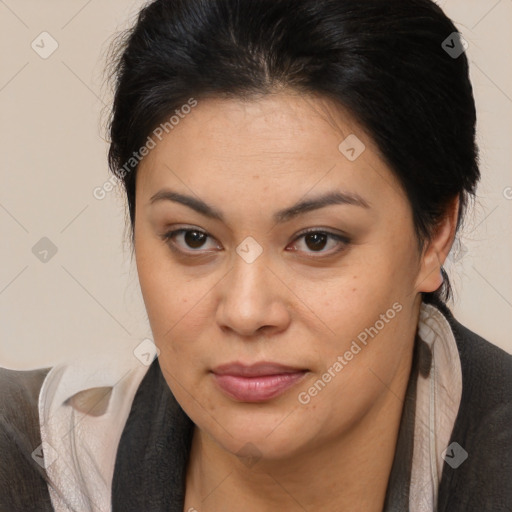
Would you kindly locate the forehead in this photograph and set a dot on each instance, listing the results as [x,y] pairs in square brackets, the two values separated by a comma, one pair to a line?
[279,144]
[283,123]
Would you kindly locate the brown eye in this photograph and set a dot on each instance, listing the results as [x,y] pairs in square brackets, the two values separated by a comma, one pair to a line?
[316,240]
[194,239]
[188,239]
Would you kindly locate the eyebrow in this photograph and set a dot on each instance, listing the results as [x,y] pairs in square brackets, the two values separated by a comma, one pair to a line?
[299,208]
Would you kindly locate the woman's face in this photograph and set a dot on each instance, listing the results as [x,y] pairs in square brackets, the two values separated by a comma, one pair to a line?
[267,335]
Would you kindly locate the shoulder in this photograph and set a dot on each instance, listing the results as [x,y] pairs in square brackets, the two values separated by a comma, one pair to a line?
[486,368]
[22,479]
[26,383]
[483,428]
[19,394]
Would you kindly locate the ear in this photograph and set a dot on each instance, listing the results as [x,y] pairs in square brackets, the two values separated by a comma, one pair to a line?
[429,278]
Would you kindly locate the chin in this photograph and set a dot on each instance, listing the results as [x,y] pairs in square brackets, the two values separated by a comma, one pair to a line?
[251,449]
[260,434]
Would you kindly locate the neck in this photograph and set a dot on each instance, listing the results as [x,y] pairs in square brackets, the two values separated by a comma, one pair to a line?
[335,475]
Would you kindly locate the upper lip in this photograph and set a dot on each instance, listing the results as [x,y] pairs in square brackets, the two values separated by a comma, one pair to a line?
[255,370]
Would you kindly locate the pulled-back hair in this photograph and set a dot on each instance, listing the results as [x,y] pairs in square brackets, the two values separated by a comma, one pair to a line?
[382,61]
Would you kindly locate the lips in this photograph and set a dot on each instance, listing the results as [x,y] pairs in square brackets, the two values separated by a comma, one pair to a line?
[258,382]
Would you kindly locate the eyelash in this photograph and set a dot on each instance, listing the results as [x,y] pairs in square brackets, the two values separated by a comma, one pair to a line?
[344,240]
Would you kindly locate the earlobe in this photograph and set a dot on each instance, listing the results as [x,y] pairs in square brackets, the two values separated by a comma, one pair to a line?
[430,278]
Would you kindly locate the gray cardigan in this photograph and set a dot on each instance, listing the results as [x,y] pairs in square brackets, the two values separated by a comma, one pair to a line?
[153,450]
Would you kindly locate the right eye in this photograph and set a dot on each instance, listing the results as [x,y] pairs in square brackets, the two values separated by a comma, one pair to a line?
[190,237]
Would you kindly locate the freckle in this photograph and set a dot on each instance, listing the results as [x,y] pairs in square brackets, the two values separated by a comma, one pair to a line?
[255,177]
[353,289]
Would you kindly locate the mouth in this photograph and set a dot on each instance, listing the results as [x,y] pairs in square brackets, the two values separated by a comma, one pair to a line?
[258,382]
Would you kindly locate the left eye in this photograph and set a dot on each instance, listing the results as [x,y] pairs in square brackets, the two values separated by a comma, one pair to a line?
[315,240]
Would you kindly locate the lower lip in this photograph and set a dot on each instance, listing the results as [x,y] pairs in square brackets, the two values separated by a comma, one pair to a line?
[257,389]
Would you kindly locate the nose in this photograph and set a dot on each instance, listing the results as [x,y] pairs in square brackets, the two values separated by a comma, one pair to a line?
[254,300]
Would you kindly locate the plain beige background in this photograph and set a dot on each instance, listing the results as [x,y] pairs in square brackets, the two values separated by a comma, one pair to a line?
[82,294]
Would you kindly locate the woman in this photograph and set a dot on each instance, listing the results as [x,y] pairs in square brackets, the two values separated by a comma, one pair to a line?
[296,173]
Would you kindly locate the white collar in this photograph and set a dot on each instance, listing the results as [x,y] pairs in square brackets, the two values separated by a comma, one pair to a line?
[84,405]
[438,398]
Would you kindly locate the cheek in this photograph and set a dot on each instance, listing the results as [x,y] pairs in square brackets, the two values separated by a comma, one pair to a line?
[174,312]
[172,300]
[355,301]
[369,317]
[176,328]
